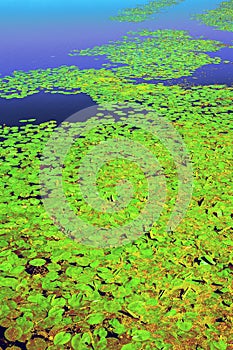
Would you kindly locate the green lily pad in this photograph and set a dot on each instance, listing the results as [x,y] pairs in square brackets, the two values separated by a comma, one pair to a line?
[62,338]
[184,325]
[95,318]
[141,335]
[37,262]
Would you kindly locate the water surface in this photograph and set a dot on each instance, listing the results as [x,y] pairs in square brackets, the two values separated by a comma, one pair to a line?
[40,34]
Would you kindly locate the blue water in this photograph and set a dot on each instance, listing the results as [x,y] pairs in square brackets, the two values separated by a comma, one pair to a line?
[40,33]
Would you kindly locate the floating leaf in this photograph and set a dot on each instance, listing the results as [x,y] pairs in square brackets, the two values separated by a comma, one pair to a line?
[141,335]
[36,344]
[184,325]
[37,262]
[95,318]
[118,327]
[62,338]
[136,308]
[13,333]
[76,340]
[130,346]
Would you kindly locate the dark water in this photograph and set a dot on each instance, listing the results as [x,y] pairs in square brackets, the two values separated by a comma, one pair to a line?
[40,34]
[43,107]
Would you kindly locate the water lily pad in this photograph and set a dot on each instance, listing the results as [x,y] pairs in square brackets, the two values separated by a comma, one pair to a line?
[37,262]
[184,325]
[36,344]
[141,335]
[62,338]
[95,318]
[13,333]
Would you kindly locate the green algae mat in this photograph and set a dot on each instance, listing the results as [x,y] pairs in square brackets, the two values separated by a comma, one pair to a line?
[164,289]
[143,12]
[221,17]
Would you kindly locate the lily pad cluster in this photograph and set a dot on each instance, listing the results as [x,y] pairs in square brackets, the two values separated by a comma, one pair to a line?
[221,17]
[163,54]
[59,293]
[63,80]
[143,12]
[155,292]
[160,54]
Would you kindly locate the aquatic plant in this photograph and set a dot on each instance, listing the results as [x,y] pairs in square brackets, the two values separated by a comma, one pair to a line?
[64,80]
[60,293]
[149,55]
[57,293]
[161,54]
[143,12]
[221,17]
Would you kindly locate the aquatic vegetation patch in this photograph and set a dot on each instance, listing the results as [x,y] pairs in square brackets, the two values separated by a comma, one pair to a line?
[161,54]
[153,293]
[221,17]
[63,80]
[149,55]
[104,87]
[143,12]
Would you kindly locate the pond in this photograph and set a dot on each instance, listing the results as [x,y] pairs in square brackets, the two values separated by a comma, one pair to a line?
[40,35]
[116,225]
